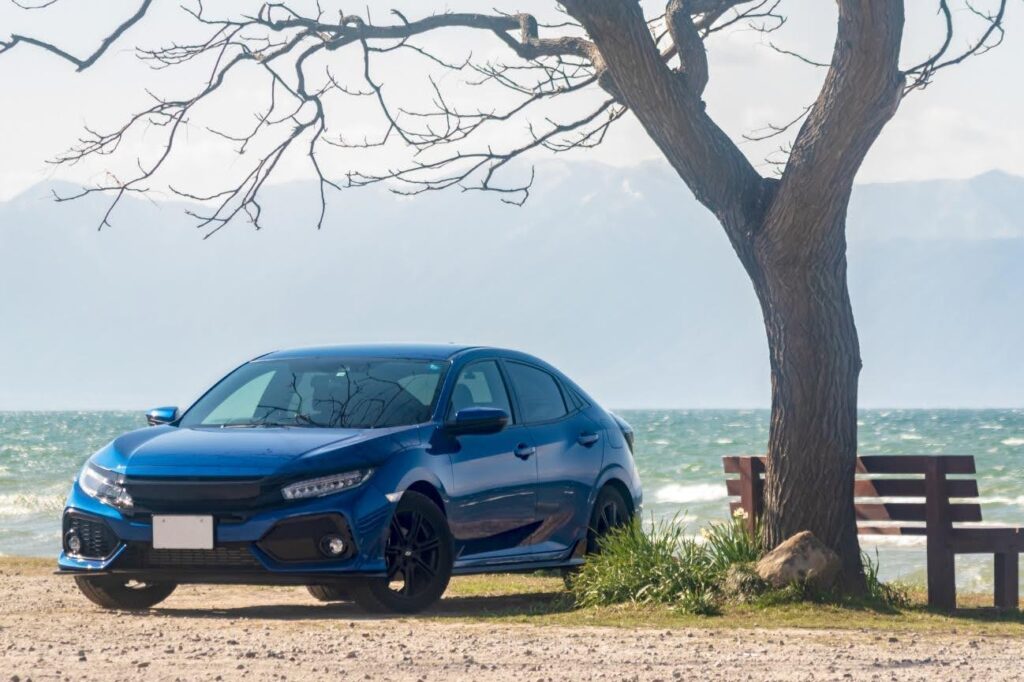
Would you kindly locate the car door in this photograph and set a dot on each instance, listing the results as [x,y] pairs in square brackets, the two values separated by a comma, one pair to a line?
[493,497]
[569,452]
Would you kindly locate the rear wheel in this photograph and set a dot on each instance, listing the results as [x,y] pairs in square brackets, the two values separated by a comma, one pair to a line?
[330,592]
[610,512]
[418,555]
[114,593]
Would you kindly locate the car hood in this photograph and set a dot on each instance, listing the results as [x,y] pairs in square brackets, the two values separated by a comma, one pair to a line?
[169,451]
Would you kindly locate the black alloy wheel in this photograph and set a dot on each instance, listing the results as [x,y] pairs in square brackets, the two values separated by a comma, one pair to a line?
[610,512]
[418,555]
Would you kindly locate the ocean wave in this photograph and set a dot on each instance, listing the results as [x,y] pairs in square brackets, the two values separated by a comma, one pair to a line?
[675,493]
[1014,442]
[1013,501]
[723,441]
[25,504]
[910,436]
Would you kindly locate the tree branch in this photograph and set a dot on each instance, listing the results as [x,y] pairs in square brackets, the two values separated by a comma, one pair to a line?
[80,64]
[671,111]
[860,94]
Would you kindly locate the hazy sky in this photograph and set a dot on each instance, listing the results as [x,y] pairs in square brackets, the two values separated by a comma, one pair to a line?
[66,292]
[960,126]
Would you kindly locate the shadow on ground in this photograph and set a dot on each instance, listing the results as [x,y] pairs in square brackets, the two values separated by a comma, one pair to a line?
[537,603]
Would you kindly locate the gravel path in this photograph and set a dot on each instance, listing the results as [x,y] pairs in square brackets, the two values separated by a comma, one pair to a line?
[49,632]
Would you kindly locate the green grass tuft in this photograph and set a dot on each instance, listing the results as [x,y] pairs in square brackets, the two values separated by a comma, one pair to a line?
[663,566]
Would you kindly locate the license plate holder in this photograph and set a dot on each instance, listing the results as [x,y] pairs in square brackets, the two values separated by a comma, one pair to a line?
[182,532]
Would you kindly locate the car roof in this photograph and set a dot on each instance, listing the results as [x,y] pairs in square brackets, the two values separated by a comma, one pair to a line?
[383,350]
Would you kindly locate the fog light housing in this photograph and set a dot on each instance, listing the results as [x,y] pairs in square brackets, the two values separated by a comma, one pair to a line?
[333,545]
[73,542]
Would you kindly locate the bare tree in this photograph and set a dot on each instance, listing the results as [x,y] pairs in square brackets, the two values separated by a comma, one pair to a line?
[788,231]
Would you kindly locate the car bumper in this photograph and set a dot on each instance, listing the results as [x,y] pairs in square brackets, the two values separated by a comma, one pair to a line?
[266,546]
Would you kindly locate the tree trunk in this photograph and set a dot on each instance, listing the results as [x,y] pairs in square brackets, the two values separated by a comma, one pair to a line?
[815,363]
[788,233]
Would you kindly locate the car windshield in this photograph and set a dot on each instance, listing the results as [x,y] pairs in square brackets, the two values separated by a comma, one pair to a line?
[322,392]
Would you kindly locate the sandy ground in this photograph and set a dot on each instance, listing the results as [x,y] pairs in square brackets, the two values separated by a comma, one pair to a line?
[49,632]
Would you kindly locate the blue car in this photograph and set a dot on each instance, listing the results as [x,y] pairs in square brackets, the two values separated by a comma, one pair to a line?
[366,473]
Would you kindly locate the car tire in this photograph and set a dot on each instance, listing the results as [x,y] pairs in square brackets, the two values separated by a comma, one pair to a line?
[418,567]
[114,593]
[330,592]
[610,511]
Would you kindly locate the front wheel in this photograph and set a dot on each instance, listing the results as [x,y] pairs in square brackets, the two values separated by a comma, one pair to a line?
[418,555]
[114,593]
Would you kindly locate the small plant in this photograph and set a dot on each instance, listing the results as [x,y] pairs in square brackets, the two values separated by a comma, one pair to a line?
[890,595]
[663,566]
[731,543]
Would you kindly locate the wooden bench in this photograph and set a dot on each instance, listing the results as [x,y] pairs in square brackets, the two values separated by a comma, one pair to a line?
[937,509]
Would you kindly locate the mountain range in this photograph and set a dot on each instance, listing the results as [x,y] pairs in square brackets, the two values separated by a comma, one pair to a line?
[615,274]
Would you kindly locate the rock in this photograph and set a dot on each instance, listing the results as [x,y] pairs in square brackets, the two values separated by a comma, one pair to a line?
[801,559]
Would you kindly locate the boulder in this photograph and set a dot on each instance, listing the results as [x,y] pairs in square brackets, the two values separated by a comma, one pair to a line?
[801,559]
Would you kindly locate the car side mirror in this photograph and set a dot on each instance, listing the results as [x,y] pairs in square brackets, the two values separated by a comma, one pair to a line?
[161,415]
[477,421]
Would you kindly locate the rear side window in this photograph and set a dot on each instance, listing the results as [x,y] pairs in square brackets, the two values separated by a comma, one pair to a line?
[540,398]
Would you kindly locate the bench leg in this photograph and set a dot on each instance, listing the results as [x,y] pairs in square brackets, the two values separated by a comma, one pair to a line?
[1006,582]
[941,580]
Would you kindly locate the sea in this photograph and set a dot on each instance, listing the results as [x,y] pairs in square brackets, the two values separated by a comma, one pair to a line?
[678,453]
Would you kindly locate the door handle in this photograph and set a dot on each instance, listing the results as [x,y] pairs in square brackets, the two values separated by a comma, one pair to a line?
[587,438]
[523,451]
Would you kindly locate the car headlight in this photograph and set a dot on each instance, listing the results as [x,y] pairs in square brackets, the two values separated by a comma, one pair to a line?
[105,486]
[326,485]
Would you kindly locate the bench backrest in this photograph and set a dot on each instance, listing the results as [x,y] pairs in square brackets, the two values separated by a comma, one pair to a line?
[893,494]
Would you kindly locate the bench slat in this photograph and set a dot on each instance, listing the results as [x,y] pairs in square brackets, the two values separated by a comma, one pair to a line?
[912,464]
[881,464]
[909,487]
[891,530]
[986,540]
[914,511]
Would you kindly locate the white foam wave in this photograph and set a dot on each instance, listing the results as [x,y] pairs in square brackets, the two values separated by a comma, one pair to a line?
[910,436]
[675,493]
[25,504]
[723,441]
[1015,501]
[1014,442]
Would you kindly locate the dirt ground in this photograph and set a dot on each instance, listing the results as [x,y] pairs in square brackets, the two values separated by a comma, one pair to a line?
[49,632]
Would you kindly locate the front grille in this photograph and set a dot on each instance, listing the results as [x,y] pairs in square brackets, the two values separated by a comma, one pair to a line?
[182,496]
[234,556]
[98,540]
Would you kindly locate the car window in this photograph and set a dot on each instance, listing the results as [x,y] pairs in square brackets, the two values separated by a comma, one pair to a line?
[573,398]
[322,392]
[540,398]
[242,403]
[479,385]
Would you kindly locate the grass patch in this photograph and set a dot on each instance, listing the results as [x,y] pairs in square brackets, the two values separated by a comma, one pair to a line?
[700,575]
